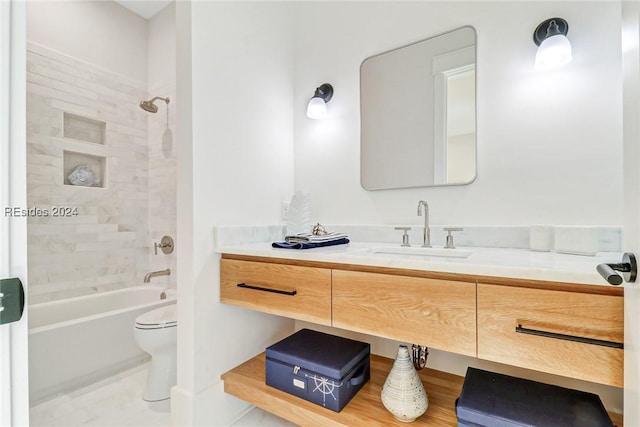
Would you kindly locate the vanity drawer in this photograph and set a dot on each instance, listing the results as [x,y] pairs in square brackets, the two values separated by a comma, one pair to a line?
[435,313]
[297,292]
[565,333]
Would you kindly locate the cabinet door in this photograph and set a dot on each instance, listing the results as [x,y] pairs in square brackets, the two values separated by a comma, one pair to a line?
[435,313]
[565,333]
[297,292]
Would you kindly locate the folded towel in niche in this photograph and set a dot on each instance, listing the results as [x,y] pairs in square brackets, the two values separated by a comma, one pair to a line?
[314,238]
[309,245]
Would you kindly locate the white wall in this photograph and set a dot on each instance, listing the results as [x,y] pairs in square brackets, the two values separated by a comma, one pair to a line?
[549,143]
[234,85]
[102,33]
[161,52]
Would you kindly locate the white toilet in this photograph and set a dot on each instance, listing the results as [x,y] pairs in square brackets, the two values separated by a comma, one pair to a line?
[156,333]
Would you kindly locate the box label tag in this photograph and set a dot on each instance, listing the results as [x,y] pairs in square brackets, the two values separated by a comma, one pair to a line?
[298,383]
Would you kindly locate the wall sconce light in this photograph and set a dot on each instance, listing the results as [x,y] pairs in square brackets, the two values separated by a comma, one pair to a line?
[317,107]
[554,49]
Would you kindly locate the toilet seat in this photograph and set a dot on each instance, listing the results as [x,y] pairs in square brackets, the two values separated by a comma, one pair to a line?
[160,318]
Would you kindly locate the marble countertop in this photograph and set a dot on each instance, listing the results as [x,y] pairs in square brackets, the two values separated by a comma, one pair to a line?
[497,262]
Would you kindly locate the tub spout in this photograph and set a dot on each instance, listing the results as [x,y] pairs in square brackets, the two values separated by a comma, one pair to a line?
[149,276]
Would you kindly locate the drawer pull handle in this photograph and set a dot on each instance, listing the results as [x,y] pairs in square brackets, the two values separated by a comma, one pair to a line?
[593,341]
[260,288]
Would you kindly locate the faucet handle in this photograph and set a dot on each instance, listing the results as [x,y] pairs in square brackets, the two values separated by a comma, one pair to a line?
[166,244]
[405,236]
[449,230]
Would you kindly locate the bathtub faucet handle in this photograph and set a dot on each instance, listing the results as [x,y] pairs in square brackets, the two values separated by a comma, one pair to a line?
[166,244]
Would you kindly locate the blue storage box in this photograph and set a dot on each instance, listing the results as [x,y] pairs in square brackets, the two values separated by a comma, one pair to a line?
[495,400]
[318,367]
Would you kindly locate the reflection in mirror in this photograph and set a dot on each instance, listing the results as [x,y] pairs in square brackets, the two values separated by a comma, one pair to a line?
[418,114]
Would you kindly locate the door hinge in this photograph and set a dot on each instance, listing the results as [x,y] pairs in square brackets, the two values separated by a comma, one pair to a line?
[11,300]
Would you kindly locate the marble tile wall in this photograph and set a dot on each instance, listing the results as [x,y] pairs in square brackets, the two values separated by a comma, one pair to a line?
[162,182]
[106,246]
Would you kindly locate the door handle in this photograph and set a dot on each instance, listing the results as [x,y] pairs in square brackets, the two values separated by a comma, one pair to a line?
[11,300]
[628,267]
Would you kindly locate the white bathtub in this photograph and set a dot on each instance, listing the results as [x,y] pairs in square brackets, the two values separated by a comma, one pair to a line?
[77,341]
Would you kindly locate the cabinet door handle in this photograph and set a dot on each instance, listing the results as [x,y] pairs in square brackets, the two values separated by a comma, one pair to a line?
[260,288]
[593,341]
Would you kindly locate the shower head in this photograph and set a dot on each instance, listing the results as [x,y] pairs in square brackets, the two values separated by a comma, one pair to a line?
[150,106]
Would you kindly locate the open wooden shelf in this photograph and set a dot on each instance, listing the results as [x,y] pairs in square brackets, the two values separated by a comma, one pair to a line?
[247,382]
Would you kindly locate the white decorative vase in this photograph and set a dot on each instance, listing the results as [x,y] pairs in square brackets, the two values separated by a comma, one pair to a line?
[402,393]
[299,214]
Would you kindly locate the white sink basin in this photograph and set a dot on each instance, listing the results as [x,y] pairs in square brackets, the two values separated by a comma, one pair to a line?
[420,251]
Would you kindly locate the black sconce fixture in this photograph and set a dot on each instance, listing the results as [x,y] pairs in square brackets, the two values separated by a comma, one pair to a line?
[554,49]
[317,107]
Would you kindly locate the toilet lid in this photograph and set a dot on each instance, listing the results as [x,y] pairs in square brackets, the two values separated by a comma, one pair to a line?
[163,317]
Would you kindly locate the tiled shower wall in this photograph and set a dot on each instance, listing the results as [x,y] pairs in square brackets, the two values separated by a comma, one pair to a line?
[106,246]
[161,79]
[162,183]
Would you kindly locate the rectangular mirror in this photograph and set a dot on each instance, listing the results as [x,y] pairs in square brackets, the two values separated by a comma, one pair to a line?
[418,114]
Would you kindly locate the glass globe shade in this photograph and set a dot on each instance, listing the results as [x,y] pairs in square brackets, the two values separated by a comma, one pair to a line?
[317,108]
[553,52]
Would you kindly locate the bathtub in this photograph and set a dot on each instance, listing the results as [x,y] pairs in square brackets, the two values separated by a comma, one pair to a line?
[77,341]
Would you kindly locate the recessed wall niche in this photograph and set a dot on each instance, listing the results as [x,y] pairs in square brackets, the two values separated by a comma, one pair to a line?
[83,129]
[89,167]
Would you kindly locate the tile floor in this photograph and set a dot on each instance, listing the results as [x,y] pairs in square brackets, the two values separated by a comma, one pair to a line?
[112,402]
[116,402]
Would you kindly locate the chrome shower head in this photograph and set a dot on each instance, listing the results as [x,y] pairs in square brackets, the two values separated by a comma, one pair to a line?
[150,106]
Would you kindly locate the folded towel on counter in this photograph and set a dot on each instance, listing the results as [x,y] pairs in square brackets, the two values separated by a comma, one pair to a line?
[309,245]
[314,238]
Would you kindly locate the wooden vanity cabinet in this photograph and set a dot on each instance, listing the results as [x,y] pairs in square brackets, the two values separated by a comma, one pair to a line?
[564,329]
[431,312]
[297,292]
[573,334]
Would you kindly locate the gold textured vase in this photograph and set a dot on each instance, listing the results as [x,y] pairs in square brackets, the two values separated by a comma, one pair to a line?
[403,393]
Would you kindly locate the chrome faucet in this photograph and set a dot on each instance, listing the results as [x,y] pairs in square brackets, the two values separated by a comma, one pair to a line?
[149,276]
[426,235]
